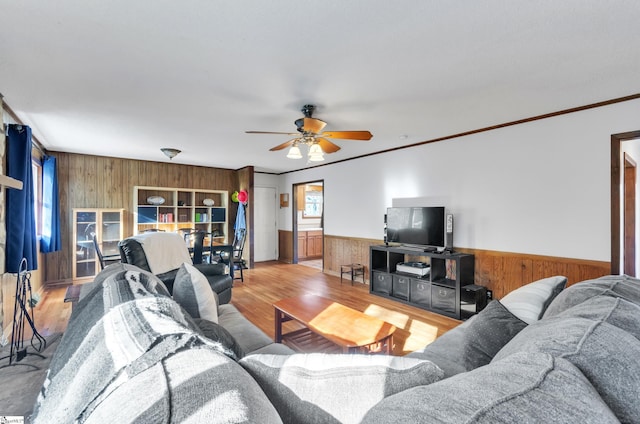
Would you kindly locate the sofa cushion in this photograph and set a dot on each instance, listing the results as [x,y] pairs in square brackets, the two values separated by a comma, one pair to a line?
[193,292]
[523,388]
[194,385]
[473,343]
[247,335]
[325,388]
[621,286]
[217,333]
[529,302]
[601,337]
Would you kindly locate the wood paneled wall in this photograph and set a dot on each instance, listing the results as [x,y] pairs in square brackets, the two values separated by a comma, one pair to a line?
[503,272]
[103,182]
[285,246]
[500,272]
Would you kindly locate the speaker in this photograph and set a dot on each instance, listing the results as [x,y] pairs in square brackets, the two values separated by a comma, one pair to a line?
[473,299]
[385,230]
[448,238]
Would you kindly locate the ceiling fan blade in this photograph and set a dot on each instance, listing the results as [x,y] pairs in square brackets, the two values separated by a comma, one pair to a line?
[348,135]
[269,132]
[283,145]
[327,146]
[313,125]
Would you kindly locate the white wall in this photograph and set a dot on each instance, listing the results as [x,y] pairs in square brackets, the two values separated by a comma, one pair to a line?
[540,188]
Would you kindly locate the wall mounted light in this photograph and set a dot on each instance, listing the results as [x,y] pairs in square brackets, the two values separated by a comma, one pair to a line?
[284,200]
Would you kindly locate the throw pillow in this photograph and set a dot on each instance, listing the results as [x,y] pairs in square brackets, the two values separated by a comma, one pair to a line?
[523,388]
[531,301]
[217,333]
[192,291]
[475,342]
[314,388]
[487,334]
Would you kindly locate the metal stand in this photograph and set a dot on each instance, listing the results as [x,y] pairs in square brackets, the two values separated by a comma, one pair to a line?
[20,314]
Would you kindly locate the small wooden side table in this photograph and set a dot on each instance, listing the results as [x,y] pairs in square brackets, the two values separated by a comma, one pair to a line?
[354,270]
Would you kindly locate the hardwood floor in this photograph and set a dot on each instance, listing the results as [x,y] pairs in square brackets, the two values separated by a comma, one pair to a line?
[269,282]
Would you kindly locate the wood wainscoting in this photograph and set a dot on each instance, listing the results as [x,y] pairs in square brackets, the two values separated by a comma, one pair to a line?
[500,272]
[504,272]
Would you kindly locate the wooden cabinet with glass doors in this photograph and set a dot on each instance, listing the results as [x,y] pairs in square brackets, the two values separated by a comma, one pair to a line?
[106,226]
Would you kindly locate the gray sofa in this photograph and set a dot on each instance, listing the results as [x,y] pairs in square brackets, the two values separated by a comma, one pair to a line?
[132,353]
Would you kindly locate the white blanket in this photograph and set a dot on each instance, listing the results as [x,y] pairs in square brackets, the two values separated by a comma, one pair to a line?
[164,251]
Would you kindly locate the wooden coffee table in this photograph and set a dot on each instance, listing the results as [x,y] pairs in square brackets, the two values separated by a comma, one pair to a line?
[351,330]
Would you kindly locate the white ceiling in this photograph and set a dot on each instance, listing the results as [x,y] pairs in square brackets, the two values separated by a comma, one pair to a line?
[124,78]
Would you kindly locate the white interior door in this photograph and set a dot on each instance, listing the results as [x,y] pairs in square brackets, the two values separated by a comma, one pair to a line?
[265,224]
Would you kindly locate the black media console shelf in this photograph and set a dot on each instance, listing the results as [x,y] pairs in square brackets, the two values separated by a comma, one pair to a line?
[439,291]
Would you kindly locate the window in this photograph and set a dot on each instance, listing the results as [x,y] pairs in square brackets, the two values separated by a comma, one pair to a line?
[312,204]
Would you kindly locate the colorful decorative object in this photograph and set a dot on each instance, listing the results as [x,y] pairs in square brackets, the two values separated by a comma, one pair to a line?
[240,197]
[243,197]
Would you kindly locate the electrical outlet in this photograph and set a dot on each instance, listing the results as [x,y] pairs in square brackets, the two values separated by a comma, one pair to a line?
[489,294]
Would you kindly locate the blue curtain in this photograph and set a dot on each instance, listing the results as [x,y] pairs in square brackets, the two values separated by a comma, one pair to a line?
[21,225]
[50,240]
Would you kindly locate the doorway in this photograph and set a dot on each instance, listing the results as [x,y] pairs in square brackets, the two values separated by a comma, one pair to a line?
[308,224]
[625,151]
[629,215]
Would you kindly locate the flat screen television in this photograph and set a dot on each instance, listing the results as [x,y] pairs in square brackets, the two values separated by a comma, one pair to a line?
[416,226]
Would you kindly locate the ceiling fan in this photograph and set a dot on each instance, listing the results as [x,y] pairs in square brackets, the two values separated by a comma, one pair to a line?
[310,133]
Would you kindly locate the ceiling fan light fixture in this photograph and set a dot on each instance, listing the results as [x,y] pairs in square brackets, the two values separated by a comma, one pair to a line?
[294,152]
[315,153]
[170,152]
[311,134]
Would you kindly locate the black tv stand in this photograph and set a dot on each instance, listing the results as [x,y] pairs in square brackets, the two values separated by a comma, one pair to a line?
[419,248]
[439,291]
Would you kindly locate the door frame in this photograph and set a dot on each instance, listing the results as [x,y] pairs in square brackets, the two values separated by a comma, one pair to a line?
[629,216]
[616,195]
[294,218]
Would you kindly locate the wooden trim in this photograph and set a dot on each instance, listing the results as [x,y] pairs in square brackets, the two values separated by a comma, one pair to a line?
[10,182]
[485,129]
